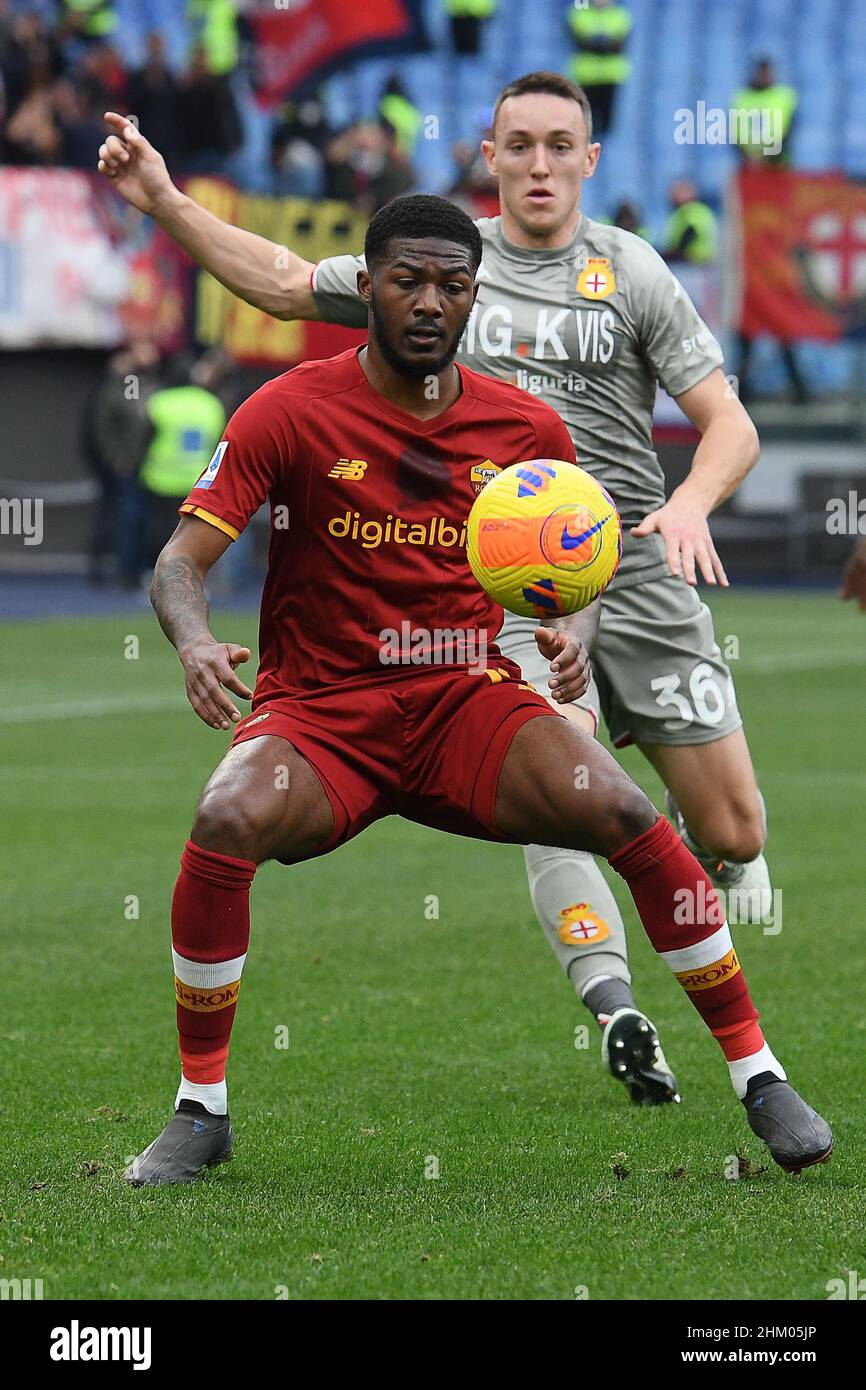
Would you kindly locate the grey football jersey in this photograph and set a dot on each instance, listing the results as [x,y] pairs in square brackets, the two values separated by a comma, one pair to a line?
[591,328]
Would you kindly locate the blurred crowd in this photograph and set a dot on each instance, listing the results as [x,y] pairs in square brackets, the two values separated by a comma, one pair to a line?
[62,67]
[148,430]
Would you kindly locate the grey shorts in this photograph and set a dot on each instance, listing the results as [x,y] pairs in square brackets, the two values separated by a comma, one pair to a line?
[658,673]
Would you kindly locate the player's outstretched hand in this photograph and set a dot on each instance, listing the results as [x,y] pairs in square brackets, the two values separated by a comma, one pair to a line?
[854,578]
[685,531]
[569,661]
[136,169]
[209,670]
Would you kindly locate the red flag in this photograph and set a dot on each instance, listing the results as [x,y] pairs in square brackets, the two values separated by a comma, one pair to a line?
[802,254]
[305,39]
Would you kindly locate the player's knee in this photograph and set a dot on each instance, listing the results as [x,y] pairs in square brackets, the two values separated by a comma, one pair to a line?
[229,824]
[748,843]
[627,814]
[742,842]
[736,834]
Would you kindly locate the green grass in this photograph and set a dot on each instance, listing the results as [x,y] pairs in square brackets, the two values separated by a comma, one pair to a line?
[408,1038]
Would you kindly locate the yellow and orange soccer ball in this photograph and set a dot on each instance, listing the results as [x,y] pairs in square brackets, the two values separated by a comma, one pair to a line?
[544,538]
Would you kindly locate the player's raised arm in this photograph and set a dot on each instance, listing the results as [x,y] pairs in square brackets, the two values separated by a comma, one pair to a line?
[258,271]
[178,597]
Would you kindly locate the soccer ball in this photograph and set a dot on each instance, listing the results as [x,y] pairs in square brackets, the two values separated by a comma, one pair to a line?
[544,538]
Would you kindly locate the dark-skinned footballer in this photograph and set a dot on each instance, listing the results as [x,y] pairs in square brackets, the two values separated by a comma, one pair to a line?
[369,462]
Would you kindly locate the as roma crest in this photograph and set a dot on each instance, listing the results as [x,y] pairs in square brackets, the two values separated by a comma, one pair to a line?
[596,280]
[481,473]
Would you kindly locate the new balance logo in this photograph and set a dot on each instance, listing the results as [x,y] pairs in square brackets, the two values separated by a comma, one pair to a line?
[349,468]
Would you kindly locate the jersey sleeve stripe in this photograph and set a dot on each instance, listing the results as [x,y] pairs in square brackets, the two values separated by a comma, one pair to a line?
[217,521]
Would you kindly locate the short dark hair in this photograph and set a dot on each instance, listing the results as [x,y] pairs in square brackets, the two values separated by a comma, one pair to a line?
[416,215]
[552,83]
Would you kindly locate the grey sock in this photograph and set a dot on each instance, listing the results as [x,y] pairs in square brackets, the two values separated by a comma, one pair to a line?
[578,914]
[608,996]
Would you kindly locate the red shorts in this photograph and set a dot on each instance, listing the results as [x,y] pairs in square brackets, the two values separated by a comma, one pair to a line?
[429,748]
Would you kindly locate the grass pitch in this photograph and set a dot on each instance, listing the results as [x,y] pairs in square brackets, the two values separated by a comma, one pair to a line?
[430,1131]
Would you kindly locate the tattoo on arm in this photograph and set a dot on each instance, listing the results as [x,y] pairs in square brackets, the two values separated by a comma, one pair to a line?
[178,598]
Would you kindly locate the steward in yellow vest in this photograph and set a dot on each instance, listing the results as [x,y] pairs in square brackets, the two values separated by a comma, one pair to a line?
[600,31]
[478,9]
[215,25]
[467,17]
[402,115]
[691,231]
[90,19]
[764,112]
[187,422]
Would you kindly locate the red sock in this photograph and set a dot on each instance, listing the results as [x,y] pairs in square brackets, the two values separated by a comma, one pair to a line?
[685,921]
[210,932]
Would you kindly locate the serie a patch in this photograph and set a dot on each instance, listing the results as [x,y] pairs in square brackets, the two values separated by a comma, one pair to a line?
[208,477]
[708,976]
[206,1001]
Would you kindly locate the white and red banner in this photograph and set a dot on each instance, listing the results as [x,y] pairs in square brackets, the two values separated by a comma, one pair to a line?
[80,269]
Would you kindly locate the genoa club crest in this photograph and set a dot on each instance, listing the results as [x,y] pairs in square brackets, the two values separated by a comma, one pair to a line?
[596,280]
[580,926]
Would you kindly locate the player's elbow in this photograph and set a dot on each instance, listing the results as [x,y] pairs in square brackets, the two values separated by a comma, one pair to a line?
[153,589]
[751,445]
[279,305]
[742,433]
[291,296]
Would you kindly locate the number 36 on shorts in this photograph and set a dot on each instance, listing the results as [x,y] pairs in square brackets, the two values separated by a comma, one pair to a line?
[704,701]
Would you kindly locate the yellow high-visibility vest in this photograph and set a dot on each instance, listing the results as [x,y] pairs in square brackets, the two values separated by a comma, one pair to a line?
[597,69]
[702,248]
[471,9]
[188,422]
[404,117]
[778,100]
[215,23]
[100,18]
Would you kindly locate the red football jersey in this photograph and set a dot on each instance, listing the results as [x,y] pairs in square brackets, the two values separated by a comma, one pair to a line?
[368,519]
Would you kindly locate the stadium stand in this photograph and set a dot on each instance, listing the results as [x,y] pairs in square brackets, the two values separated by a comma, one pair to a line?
[681,52]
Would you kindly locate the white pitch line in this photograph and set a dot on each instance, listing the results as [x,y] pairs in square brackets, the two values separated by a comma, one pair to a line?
[90,709]
[800,661]
[143,704]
